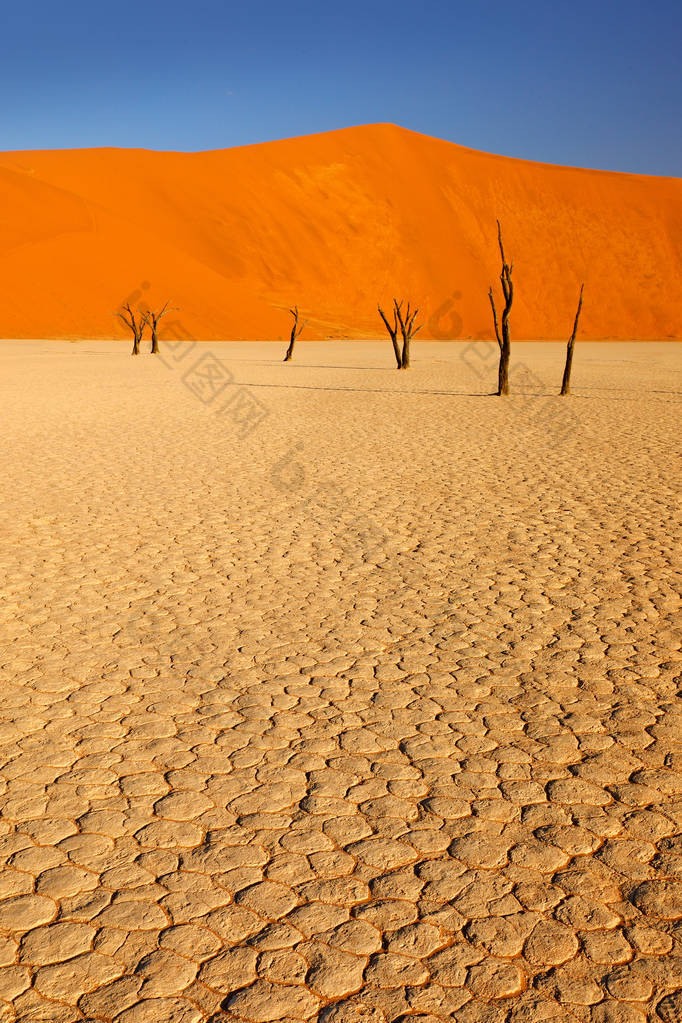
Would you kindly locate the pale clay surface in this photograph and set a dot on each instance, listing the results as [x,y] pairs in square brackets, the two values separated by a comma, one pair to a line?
[370,715]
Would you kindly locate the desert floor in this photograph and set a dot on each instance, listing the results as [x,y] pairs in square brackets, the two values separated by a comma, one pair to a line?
[334,691]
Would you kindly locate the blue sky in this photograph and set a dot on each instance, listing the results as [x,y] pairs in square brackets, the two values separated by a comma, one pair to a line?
[594,83]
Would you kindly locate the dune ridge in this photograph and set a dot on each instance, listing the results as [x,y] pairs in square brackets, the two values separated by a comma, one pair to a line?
[334,222]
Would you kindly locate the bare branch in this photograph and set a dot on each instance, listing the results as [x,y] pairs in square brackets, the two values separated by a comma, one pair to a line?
[499,241]
[502,335]
[497,329]
[127,322]
[392,331]
[128,317]
[577,313]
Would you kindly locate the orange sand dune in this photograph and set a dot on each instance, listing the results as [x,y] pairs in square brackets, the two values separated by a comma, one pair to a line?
[332,222]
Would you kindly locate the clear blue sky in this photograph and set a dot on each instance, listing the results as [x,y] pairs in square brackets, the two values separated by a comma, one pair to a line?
[585,82]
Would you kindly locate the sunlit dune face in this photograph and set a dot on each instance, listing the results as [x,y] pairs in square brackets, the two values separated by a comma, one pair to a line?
[333,223]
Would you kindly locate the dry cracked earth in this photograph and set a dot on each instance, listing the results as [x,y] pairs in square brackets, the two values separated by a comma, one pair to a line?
[362,708]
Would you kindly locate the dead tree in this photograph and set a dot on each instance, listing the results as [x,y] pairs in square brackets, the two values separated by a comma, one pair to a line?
[295,333]
[135,323]
[566,382]
[408,330]
[503,338]
[154,319]
[406,325]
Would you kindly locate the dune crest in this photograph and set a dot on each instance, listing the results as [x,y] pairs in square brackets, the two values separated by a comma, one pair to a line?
[333,222]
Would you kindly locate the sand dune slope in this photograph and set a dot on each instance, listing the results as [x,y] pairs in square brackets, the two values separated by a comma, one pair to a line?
[333,222]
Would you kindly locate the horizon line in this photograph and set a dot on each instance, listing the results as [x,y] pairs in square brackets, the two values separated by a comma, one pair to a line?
[336,131]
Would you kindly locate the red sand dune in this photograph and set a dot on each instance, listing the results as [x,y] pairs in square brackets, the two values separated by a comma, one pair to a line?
[332,222]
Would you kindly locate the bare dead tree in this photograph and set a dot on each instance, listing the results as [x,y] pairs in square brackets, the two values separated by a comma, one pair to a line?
[154,318]
[566,382]
[296,331]
[406,325]
[135,323]
[408,330]
[503,338]
[392,329]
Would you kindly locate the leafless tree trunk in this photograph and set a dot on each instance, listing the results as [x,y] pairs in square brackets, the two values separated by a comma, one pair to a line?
[407,329]
[295,333]
[154,319]
[135,323]
[393,331]
[503,338]
[566,382]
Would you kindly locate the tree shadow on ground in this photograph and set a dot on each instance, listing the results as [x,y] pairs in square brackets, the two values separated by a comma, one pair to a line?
[369,390]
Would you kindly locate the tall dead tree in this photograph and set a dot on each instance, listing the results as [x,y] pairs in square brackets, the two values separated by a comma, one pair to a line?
[135,323]
[503,338]
[154,319]
[406,324]
[566,382]
[295,333]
